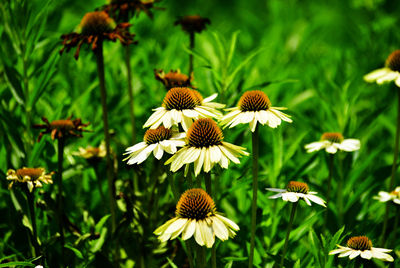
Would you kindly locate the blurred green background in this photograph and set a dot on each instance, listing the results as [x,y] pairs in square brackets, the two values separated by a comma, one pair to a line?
[308,56]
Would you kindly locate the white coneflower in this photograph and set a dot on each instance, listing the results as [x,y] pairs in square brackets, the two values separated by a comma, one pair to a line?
[205,147]
[157,141]
[392,196]
[391,71]
[255,106]
[33,177]
[182,105]
[196,215]
[362,246]
[332,142]
[296,190]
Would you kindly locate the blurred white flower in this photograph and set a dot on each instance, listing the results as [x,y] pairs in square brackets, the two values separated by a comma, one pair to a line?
[391,71]
[392,196]
[296,190]
[332,142]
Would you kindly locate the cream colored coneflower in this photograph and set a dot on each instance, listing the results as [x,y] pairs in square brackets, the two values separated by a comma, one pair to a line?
[255,106]
[182,105]
[392,196]
[362,246]
[197,215]
[33,177]
[332,142]
[157,141]
[205,148]
[296,190]
[391,71]
[92,152]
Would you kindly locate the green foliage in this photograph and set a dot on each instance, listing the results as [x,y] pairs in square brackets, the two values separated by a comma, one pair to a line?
[308,56]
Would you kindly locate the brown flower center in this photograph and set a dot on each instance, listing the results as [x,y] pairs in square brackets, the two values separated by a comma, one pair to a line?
[359,243]
[297,187]
[254,100]
[195,204]
[193,23]
[33,173]
[204,132]
[181,98]
[62,124]
[176,78]
[96,23]
[393,61]
[156,135]
[335,137]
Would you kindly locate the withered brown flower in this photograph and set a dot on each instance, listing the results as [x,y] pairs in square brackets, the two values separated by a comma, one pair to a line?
[192,23]
[173,79]
[123,10]
[96,27]
[61,128]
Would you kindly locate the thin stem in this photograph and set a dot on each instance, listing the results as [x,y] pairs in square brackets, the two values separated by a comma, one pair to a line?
[60,205]
[201,257]
[207,179]
[254,142]
[191,36]
[130,92]
[396,224]
[328,194]
[31,207]
[292,214]
[394,167]
[171,176]
[110,179]
[189,253]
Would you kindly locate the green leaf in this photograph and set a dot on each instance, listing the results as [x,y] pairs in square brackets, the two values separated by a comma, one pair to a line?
[13,80]
[76,251]
[173,265]
[101,222]
[15,263]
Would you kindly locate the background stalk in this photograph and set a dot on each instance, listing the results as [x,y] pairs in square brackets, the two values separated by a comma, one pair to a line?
[130,92]
[254,142]
[60,205]
[394,168]
[328,194]
[292,214]
[191,36]
[201,257]
[31,207]
[110,179]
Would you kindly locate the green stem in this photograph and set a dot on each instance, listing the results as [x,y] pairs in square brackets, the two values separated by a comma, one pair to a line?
[394,168]
[340,191]
[254,142]
[396,224]
[191,36]
[201,257]
[328,194]
[292,214]
[207,179]
[189,253]
[173,186]
[110,177]
[130,92]
[31,207]
[60,205]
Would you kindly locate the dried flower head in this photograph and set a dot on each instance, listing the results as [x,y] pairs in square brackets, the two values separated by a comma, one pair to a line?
[33,177]
[362,246]
[173,79]
[192,23]
[205,147]
[255,107]
[96,27]
[391,71]
[197,215]
[124,10]
[61,128]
